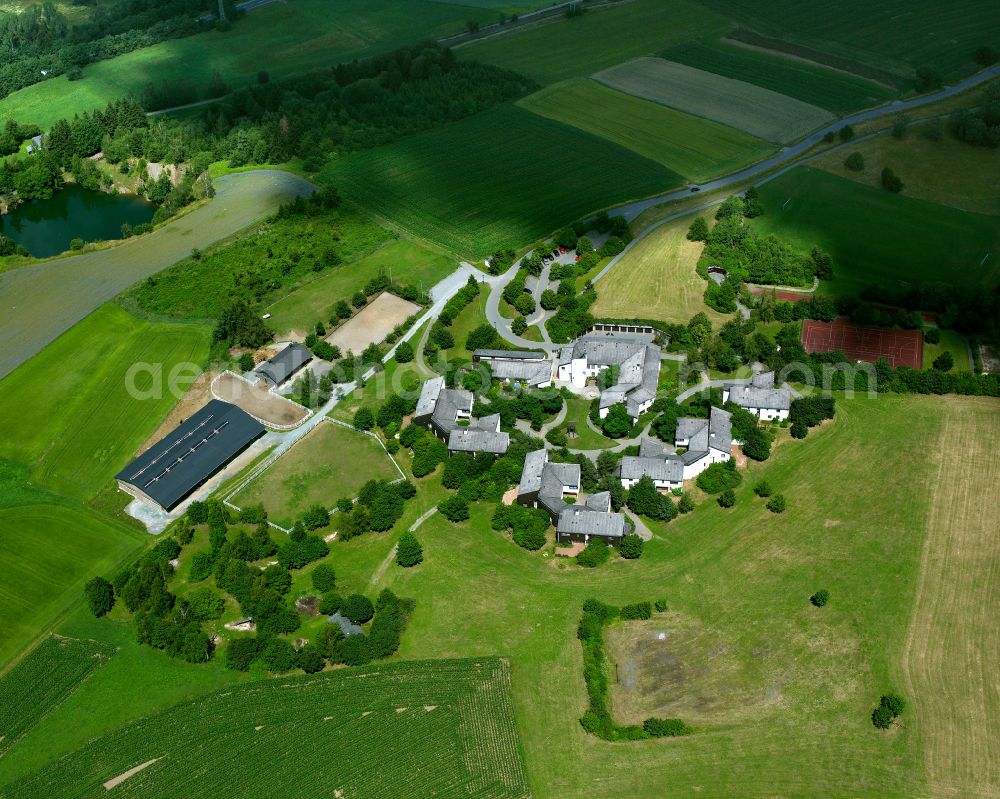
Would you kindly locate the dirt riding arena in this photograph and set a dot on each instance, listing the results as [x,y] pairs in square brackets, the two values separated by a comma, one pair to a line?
[375,321]
[256,400]
[862,343]
[787,296]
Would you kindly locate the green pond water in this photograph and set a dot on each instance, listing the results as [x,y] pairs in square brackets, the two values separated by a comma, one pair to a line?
[46,227]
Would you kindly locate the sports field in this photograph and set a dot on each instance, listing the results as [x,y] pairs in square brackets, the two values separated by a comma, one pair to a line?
[331,462]
[436,728]
[831,89]
[284,39]
[864,343]
[43,300]
[498,179]
[656,279]
[875,236]
[87,402]
[574,48]
[895,36]
[755,110]
[953,645]
[692,146]
[408,263]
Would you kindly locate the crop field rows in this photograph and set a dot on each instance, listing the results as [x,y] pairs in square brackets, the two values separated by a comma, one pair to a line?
[422,728]
[43,680]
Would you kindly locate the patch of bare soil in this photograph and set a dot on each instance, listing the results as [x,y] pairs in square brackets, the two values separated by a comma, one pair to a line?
[112,783]
[373,323]
[307,605]
[194,399]
[258,401]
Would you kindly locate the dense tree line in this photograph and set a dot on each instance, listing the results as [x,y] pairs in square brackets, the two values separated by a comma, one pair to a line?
[980,126]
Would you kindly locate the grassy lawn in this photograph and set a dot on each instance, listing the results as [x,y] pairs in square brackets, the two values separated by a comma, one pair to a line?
[744,106]
[81,405]
[692,146]
[896,37]
[329,463]
[948,172]
[835,91]
[444,185]
[574,48]
[408,263]
[656,279]
[577,411]
[879,237]
[284,39]
[952,342]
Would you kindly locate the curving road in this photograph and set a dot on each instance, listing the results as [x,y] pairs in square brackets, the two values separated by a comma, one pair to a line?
[43,300]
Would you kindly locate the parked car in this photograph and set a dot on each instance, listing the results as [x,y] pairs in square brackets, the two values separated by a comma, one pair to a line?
[695,188]
[562,250]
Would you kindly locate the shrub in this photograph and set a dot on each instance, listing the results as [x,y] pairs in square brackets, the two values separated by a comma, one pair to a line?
[894,702]
[891,181]
[309,659]
[762,489]
[698,230]
[240,653]
[661,728]
[932,335]
[727,498]
[279,655]
[315,517]
[718,477]
[882,717]
[364,419]
[519,325]
[358,608]
[855,161]
[776,504]
[330,603]
[355,650]
[324,578]
[640,610]
[596,552]
[201,566]
[846,133]
[630,546]
[408,551]
[404,352]
[100,596]
[246,361]
[944,362]
[820,598]
[454,509]
[686,505]
[660,605]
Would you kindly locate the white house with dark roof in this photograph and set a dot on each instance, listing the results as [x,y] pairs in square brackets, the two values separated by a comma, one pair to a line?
[531,368]
[665,469]
[760,397]
[447,413]
[593,519]
[638,366]
[707,441]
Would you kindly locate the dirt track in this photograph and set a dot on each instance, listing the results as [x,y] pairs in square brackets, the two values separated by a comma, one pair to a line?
[256,400]
[374,322]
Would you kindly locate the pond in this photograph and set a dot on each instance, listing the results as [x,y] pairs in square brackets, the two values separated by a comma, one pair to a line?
[46,227]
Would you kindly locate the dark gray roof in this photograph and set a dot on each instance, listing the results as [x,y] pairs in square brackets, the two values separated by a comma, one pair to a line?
[580,520]
[519,355]
[285,363]
[531,473]
[428,397]
[195,450]
[441,405]
[347,626]
[601,501]
[473,439]
[651,448]
[639,368]
[702,434]
[666,467]
[754,397]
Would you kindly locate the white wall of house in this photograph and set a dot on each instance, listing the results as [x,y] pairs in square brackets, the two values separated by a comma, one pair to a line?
[662,485]
[692,470]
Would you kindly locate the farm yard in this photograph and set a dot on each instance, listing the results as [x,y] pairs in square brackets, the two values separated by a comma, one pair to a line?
[836,91]
[42,680]
[285,39]
[656,279]
[372,323]
[444,186]
[407,263]
[257,400]
[437,728]
[875,236]
[330,462]
[888,41]
[692,146]
[575,48]
[755,110]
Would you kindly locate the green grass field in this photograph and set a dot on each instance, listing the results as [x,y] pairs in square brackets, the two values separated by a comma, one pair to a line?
[435,728]
[89,400]
[826,88]
[408,263]
[43,680]
[692,146]
[879,237]
[577,411]
[952,342]
[331,462]
[656,279]
[285,39]
[896,36]
[447,186]
[574,48]
[755,110]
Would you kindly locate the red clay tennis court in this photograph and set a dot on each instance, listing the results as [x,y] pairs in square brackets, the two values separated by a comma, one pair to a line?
[788,296]
[863,343]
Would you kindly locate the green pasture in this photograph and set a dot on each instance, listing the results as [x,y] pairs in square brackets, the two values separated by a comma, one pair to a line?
[408,263]
[835,91]
[753,109]
[285,39]
[88,401]
[895,36]
[498,179]
[952,342]
[578,412]
[879,237]
[329,463]
[692,146]
[573,48]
